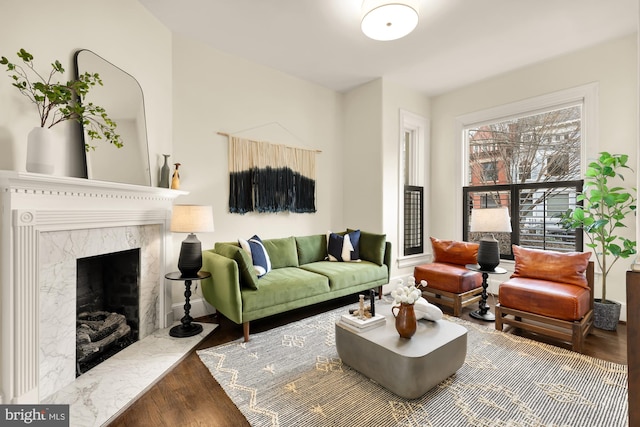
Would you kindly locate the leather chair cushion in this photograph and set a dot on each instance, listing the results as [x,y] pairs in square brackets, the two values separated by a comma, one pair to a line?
[551,299]
[567,267]
[453,252]
[447,277]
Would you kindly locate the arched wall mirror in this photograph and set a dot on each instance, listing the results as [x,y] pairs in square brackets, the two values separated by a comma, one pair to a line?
[121,96]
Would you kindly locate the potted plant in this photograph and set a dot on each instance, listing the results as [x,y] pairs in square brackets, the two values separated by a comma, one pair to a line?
[56,103]
[604,208]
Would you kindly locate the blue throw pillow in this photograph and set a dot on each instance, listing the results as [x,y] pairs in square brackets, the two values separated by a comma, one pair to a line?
[259,255]
[344,247]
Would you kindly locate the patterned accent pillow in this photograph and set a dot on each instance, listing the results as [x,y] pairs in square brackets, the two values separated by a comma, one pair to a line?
[259,255]
[343,247]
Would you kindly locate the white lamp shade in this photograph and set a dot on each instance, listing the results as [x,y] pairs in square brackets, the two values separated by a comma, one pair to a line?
[490,220]
[192,219]
[389,20]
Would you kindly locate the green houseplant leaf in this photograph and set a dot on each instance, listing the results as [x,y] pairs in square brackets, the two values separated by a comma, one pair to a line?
[603,213]
[58,102]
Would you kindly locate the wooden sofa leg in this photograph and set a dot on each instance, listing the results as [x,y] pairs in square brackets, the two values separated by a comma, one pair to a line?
[245,331]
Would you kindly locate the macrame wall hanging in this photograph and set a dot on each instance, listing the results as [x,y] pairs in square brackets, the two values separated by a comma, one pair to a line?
[266,177]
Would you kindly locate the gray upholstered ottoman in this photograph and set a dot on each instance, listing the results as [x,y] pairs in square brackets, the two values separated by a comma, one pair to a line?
[407,367]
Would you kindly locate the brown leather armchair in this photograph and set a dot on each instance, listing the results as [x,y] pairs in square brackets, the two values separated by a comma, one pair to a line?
[449,283]
[550,293]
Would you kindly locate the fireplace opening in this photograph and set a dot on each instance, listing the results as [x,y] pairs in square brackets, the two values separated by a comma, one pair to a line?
[107,306]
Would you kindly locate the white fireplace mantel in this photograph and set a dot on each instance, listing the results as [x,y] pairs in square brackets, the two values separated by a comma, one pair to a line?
[32,204]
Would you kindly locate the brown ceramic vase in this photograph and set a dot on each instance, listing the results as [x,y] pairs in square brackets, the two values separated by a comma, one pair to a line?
[406,322]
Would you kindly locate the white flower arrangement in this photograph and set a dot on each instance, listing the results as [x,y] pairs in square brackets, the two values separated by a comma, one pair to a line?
[408,294]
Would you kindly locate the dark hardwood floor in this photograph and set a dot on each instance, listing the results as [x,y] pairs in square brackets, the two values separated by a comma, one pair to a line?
[189,396]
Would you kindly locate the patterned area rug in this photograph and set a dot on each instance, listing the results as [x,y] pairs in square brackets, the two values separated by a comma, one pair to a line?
[292,376]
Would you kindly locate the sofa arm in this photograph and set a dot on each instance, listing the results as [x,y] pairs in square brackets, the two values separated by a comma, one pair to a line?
[222,289]
[387,258]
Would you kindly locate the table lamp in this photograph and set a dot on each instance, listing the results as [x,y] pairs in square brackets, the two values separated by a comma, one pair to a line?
[490,220]
[191,219]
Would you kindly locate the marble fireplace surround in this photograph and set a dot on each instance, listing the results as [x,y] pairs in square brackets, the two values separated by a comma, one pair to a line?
[59,251]
[47,223]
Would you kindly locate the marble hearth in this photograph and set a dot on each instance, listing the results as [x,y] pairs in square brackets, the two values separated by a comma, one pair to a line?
[47,223]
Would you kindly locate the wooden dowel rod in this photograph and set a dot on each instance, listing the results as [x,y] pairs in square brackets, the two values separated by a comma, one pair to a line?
[227,135]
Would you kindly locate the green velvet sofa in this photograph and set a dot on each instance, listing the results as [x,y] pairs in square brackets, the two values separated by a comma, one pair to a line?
[300,276]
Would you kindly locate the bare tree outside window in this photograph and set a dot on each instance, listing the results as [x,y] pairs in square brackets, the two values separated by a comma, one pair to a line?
[535,148]
[527,151]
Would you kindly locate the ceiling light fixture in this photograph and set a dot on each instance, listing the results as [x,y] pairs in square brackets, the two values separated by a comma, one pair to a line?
[386,21]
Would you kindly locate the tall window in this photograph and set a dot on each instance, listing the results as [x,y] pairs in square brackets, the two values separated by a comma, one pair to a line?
[530,163]
[411,203]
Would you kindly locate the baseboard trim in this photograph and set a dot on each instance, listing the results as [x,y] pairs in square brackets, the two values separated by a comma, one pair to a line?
[199,308]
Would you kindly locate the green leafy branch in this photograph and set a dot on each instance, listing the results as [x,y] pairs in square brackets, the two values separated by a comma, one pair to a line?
[58,102]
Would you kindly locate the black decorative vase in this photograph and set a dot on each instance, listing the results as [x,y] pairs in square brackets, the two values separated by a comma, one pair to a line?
[190,260]
[488,254]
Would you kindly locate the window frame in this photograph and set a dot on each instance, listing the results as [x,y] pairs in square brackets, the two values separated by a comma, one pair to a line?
[515,207]
[587,94]
[418,171]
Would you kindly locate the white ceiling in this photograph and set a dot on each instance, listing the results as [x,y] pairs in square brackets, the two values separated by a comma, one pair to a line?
[456,42]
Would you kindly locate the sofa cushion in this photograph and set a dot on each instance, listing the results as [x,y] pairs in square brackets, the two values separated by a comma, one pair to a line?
[248,276]
[346,274]
[372,246]
[283,285]
[259,255]
[282,252]
[552,299]
[311,248]
[447,277]
[454,252]
[343,246]
[564,267]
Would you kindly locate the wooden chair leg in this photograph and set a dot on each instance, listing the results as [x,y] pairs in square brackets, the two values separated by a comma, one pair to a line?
[577,338]
[245,331]
[498,317]
[457,306]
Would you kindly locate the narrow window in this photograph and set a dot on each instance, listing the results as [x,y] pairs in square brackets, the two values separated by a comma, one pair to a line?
[411,206]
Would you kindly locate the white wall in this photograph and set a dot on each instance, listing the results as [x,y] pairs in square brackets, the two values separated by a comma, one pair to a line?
[215,92]
[362,161]
[612,65]
[121,31]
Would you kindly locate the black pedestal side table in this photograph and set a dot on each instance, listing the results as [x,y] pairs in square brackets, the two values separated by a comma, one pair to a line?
[483,312]
[186,329]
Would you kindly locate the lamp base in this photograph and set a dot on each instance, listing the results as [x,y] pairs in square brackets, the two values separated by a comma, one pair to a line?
[183,331]
[190,259]
[487,316]
[488,254]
